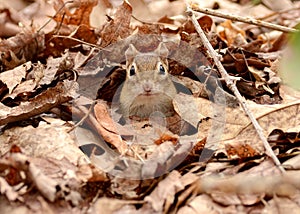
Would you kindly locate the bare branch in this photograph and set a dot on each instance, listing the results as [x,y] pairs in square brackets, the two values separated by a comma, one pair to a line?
[233,88]
[248,20]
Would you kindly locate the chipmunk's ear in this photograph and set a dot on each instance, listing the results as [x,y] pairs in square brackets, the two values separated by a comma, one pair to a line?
[162,50]
[131,52]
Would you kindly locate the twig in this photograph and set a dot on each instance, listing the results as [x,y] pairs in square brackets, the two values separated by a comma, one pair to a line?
[233,88]
[80,41]
[51,19]
[248,20]
[84,117]
[277,13]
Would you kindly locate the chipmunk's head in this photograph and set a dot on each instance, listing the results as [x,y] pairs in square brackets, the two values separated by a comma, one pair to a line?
[147,70]
[148,86]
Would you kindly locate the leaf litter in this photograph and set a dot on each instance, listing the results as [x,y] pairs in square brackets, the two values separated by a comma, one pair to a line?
[48,82]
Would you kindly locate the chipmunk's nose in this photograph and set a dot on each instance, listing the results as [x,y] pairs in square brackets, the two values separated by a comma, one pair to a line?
[147,87]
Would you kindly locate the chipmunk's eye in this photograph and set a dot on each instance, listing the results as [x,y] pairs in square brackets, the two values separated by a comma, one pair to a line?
[132,71]
[162,69]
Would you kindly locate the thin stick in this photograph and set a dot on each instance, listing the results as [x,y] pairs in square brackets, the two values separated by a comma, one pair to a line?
[248,20]
[84,117]
[80,41]
[233,88]
[277,13]
[49,20]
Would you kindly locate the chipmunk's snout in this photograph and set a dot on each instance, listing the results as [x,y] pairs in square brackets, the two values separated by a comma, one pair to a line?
[147,86]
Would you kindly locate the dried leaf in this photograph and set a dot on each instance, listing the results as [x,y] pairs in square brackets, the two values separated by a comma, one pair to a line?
[110,205]
[187,107]
[280,205]
[49,141]
[63,92]
[20,48]
[13,77]
[119,26]
[164,137]
[6,189]
[56,45]
[81,16]
[231,34]
[9,26]
[272,117]
[165,192]
[241,151]
[202,204]
[107,127]
[45,185]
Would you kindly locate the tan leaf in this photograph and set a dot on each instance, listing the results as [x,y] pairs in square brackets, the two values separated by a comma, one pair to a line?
[187,107]
[281,116]
[281,205]
[61,93]
[6,189]
[202,204]
[118,26]
[107,127]
[9,26]
[231,34]
[48,141]
[79,17]
[13,77]
[20,48]
[165,192]
[111,205]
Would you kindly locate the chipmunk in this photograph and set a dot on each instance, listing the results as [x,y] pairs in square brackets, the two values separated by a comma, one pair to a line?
[148,86]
